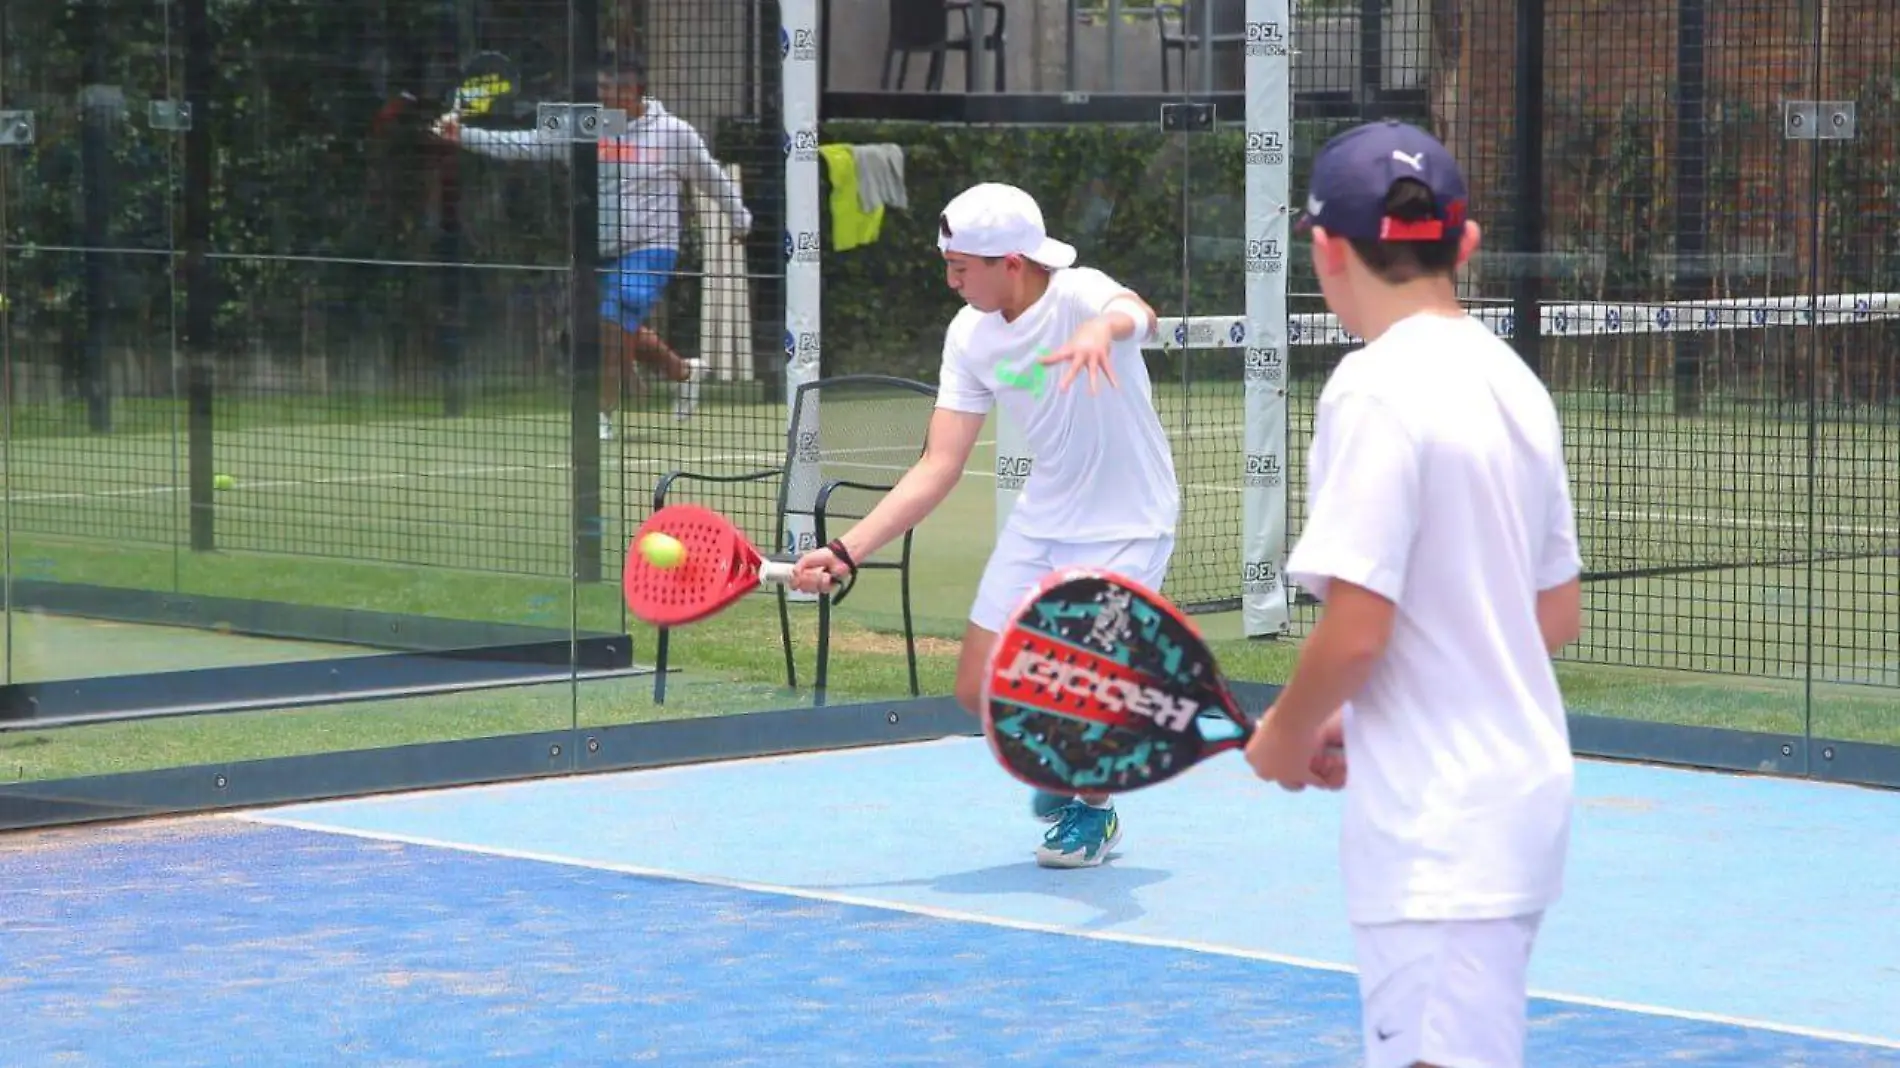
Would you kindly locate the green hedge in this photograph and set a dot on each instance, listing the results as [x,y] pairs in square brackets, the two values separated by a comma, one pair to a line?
[322,218]
[1164,213]
[1115,192]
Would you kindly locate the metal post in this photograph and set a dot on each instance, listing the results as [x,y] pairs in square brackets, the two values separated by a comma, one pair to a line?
[824,53]
[584,278]
[1528,216]
[1371,80]
[1207,47]
[1692,218]
[97,119]
[1068,45]
[449,254]
[200,299]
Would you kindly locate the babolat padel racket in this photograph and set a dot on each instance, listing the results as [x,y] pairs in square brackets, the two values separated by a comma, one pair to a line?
[1099,685]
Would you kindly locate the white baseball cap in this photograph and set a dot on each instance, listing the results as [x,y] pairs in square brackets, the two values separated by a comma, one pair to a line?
[993,219]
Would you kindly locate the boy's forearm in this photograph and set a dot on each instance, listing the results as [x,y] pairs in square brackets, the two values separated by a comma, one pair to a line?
[1120,325]
[509,144]
[1126,317]
[1560,616]
[1332,668]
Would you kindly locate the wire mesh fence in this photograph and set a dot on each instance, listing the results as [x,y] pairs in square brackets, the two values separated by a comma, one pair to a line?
[300,279]
[257,300]
[1709,292]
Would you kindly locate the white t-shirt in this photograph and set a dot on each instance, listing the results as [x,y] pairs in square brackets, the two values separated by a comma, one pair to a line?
[1101,469]
[1438,481]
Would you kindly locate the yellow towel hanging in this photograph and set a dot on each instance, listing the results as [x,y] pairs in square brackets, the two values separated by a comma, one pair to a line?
[851,225]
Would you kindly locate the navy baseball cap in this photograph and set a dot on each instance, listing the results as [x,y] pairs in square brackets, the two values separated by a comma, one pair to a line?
[1356,170]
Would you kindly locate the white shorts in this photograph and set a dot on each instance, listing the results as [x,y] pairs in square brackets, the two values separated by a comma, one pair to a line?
[1451,995]
[1018,563]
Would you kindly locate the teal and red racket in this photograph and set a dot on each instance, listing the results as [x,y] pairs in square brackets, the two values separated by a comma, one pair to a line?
[1099,685]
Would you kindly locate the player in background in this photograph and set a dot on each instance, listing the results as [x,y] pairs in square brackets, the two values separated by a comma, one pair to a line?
[641,174]
[1101,490]
[1442,542]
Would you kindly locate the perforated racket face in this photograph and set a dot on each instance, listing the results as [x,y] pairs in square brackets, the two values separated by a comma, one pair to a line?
[1098,684]
[719,568]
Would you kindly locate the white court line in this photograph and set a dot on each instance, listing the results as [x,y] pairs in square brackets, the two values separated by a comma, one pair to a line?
[335,480]
[958,916]
[1738,522]
[762,459]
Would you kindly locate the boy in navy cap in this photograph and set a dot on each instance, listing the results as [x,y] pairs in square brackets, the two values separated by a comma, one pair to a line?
[1440,538]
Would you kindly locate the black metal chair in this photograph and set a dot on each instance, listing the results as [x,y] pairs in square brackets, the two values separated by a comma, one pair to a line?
[1230,28]
[924,26]
[871,423]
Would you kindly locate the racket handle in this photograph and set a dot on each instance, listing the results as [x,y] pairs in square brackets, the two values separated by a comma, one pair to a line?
[775,573]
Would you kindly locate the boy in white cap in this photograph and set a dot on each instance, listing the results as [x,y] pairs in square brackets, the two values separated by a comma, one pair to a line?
[1442,541]
[1101,490]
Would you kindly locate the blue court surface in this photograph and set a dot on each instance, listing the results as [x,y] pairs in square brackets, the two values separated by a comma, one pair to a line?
[881,907]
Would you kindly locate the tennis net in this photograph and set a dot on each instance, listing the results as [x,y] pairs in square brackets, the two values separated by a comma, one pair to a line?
[1715,434]
[1701,435]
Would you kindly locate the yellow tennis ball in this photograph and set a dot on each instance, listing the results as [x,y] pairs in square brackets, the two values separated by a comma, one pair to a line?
[663,550]
[222,482]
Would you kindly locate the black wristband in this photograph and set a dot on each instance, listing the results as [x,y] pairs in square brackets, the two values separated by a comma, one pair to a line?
[837,549]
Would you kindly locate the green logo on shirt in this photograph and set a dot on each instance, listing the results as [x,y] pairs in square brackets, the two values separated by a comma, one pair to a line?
[1034,380]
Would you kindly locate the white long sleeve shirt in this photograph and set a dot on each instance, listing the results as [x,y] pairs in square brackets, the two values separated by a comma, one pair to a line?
[641,172]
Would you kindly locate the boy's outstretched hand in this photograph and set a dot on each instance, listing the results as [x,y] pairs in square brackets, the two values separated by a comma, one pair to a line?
[1088,349]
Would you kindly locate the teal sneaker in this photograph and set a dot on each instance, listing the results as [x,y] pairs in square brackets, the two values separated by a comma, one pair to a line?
[1048,807]
[1082,837]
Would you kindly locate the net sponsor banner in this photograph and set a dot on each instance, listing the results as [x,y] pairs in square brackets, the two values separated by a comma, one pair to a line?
[1560,319]
[1263,601]
[798,49]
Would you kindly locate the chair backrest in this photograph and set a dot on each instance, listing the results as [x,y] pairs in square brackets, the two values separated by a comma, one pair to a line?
[917,24]
[866,429]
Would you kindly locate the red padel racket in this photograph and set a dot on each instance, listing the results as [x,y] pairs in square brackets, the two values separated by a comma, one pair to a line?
[1099,685]
[720,566]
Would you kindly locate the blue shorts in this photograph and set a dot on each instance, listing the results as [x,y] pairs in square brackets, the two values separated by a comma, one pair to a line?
[631,287]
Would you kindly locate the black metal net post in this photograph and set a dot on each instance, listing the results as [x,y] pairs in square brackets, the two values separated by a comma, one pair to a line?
[1691,191]
[99,107]
[1527,209]
[584,47]
[196,341]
